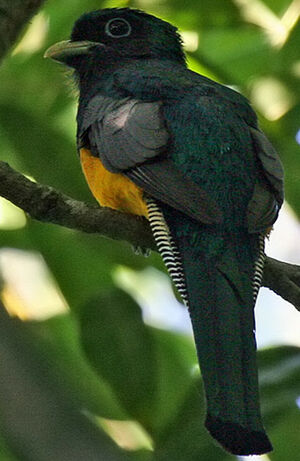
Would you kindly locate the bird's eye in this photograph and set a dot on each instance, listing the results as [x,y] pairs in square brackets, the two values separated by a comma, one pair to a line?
[117,27]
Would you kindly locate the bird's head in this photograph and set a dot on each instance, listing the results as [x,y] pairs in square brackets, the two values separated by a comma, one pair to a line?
[115,34]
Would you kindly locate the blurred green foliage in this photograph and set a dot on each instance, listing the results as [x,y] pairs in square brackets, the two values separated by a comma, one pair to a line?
[111,364]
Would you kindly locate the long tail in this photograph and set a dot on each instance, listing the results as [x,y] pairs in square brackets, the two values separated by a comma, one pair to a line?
[220,301]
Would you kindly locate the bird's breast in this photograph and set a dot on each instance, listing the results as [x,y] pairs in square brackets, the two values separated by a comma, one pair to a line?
[112,190]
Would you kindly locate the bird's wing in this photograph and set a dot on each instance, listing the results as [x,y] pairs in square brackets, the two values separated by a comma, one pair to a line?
[268,194]
[130,136]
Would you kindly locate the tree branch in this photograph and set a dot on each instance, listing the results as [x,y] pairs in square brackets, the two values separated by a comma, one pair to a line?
[43,203]
[284,279]
[14,14]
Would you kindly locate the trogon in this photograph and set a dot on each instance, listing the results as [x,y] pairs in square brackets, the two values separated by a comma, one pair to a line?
[158,140]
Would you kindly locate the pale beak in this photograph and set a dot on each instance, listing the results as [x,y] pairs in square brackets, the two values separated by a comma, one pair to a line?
[61,51]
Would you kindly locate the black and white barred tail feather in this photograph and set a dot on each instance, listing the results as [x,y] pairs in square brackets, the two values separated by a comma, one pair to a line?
[167,247]
[172,259]
[259,267]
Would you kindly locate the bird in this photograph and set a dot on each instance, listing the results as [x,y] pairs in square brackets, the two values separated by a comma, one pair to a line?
[157,140]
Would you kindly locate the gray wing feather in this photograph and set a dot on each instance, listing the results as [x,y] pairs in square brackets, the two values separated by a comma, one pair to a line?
[268,193]
[130,136]
[163,181]
[270,161]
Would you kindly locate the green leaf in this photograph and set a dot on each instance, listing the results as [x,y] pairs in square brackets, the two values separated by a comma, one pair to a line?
[39,418]
[150,370]
[236,52]
[80,263]
[195,15]
[186,437]
[278,6]
[279,372]
[285,437]
[175,362]
[121,349]
[43,151]
[57,340]
[279,377]
[5,453]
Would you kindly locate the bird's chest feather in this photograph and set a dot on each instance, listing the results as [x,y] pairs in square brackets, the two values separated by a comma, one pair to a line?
[112,190]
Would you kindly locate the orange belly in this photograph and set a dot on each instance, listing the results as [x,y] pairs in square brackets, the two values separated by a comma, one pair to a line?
[112,190]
